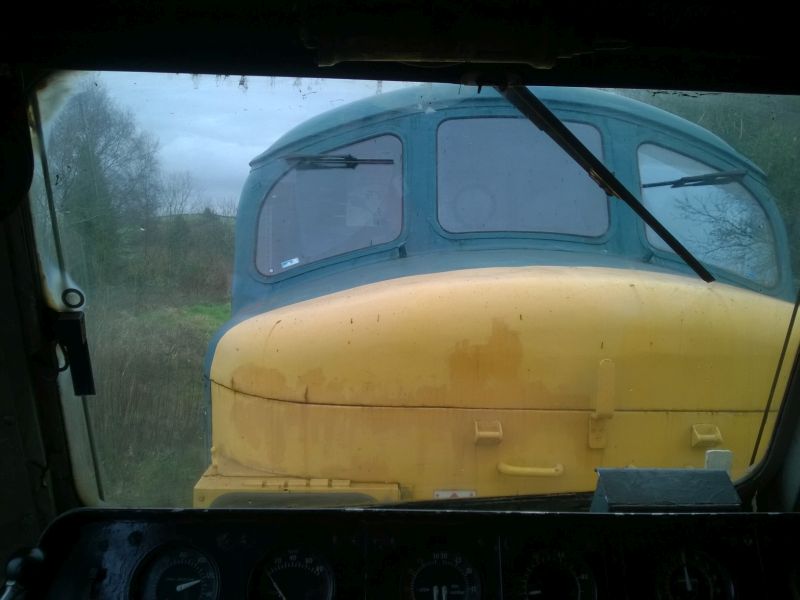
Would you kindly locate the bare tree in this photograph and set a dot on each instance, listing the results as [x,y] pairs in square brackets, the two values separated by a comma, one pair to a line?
[227,207]
[178,189]
[729,232]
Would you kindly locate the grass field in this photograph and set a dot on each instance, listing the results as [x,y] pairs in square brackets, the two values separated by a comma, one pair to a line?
[148,418]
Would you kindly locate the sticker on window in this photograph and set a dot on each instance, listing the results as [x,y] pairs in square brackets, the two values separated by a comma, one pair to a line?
[290,263]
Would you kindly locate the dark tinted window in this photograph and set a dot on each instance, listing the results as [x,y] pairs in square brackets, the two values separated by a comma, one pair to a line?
[325,205]
[504,174]
[722,225]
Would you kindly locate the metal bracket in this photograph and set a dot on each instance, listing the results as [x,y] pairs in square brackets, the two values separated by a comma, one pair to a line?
[70,330]
[604,404]
[488,433]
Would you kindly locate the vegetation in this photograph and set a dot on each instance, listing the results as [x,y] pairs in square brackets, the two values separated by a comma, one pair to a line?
[149,419]
[156,268]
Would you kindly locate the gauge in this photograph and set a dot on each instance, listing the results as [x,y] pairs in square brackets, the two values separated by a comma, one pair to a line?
[555,574]
[293,575]
[795,583]
[693,575]
[178,572]
[443,576]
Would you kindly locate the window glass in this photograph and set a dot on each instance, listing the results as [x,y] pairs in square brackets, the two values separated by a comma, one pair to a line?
[329,204]
[504,174]
[393,381]
[718,220]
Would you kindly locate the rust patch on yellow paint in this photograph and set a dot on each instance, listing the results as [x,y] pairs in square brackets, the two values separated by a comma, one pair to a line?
[496,361]
[482,374]
[489,374]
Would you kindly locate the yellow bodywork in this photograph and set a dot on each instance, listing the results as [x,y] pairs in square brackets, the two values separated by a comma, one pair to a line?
[491,381]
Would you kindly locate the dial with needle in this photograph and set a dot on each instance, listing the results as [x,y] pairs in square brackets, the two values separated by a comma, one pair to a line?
[686,573]
[275,585]
[188,584]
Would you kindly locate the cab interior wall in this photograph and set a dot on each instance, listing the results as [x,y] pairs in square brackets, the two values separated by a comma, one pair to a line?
[650,44]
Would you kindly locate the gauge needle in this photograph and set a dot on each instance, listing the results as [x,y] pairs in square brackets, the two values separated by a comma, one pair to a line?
[187,585]
[686,574]
[277,589]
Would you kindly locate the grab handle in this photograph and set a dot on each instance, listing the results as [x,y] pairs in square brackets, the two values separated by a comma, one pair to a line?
[517,471]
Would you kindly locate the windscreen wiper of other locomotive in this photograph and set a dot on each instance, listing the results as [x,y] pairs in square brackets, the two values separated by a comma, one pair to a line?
[333,161]
[537,113]
[718,178]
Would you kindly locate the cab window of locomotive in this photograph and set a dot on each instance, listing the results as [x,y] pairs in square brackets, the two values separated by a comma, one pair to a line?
[320,209]
[152,188]
[722,224]
[497,174]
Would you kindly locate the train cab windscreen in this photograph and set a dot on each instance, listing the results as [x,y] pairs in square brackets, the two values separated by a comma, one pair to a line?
[312,293]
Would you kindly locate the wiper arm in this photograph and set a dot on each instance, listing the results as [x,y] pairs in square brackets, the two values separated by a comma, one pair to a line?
[334,161]
[541,116]
[718,178]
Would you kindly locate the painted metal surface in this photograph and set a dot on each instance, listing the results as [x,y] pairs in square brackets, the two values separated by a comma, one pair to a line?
[390,381]
[495,363]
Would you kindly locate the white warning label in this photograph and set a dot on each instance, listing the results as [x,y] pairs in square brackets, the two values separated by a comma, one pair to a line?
[438,494]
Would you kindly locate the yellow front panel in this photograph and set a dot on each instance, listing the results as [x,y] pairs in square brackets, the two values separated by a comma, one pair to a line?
[428,449]
[499,381]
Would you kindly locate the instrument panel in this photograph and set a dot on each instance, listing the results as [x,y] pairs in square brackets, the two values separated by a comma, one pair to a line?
[326,554]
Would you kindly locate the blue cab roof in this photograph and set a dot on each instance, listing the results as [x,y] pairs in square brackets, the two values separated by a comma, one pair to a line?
[426,97]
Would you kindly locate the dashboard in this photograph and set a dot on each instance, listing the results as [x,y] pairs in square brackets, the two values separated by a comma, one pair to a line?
[293,554]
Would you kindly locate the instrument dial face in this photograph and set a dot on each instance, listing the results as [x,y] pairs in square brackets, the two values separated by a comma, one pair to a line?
[293,575]
[176,572]
[555,574]
[443,576]
[693,575]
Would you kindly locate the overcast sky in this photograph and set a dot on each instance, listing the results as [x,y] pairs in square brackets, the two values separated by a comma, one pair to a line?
[213,126]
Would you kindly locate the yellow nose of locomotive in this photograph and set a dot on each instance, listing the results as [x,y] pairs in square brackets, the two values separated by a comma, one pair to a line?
[489,381]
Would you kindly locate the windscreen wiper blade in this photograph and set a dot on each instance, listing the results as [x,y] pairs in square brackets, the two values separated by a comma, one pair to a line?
[718,178]
[531,107]
[334,161]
